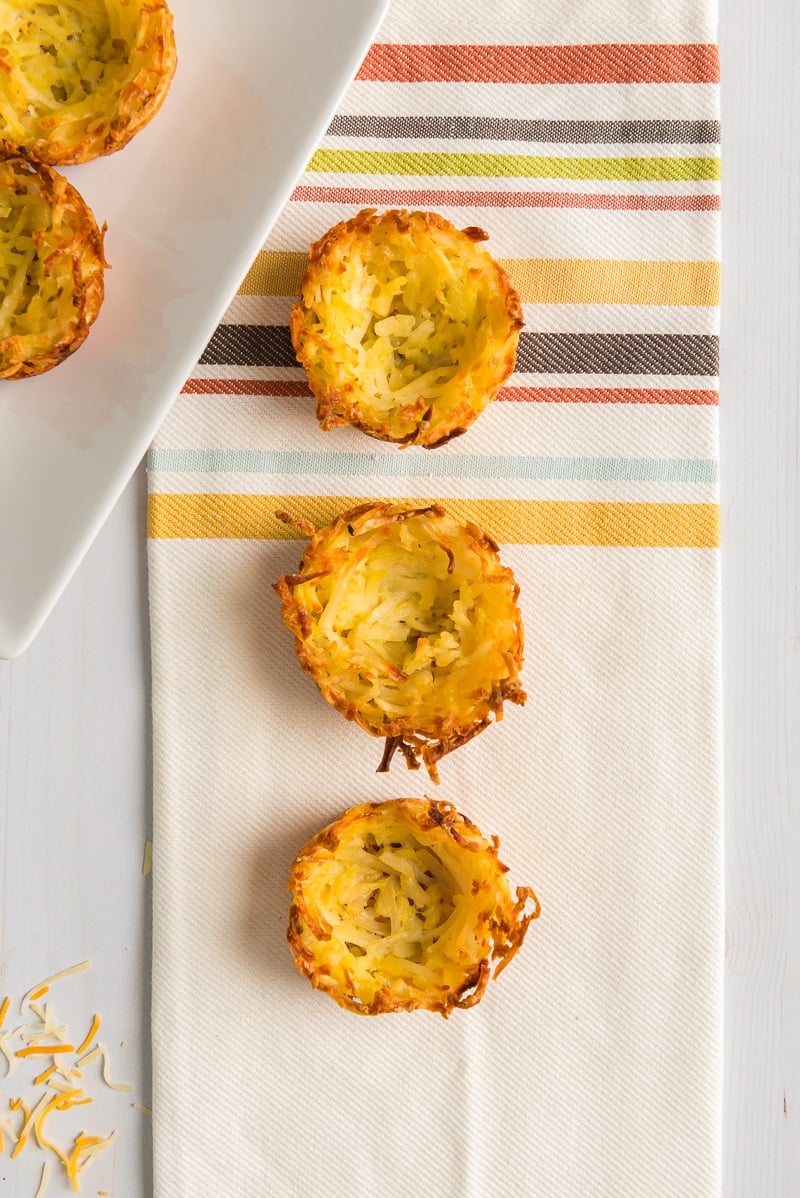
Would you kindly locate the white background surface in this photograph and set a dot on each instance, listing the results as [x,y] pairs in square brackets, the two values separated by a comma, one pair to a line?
[74,739]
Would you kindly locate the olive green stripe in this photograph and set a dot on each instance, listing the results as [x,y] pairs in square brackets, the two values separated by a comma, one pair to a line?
[521,166]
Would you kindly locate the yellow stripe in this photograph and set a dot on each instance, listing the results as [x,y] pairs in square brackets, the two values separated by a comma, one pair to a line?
[545,280]
[274,273]
[608,281]
[515,522]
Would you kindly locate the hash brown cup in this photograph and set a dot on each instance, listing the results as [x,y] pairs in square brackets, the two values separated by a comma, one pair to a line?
[406,326]
[51,268]
[409,625]
[79,78]
[404,905]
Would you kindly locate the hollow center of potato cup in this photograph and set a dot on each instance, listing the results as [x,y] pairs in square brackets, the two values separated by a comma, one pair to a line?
[36,257]
[417,621]
[404,904]
[400,909]
[65,53]
[388,898]
[408,316]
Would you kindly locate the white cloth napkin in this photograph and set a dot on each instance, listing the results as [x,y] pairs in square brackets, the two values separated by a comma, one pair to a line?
[582,136]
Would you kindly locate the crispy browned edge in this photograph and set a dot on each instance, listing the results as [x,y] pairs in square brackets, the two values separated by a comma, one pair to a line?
[337,406]
[400,733]
[508,931]
[115,132]
[88,263]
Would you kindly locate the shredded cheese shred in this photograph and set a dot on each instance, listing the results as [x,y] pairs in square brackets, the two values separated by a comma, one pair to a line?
[47,1169]
[102,1053]
[44,1050]
[48,982]
[90,1035]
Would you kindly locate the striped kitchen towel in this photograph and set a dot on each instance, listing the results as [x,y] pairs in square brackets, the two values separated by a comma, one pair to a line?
[583,136]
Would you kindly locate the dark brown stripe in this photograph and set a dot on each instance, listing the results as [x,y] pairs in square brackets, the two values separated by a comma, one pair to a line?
[538,353]
[250,345]
[507,129]
[607,353]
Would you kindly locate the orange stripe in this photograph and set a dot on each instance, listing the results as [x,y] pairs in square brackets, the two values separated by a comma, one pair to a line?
[4,1009]
[506,199]
[633,63]
[297,389]
[607,395]
[300,390]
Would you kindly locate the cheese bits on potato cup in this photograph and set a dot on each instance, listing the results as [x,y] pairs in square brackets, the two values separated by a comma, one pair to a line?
[406,326]
[51,268]
[78,78]
[408,623]
[404,905]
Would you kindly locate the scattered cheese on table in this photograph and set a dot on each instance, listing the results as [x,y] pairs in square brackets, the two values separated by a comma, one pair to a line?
[42,1040]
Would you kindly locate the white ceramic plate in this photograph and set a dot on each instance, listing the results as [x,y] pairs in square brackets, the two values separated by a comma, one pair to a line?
[188,205]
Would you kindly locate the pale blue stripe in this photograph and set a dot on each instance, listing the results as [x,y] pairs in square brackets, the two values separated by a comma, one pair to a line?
[410,464]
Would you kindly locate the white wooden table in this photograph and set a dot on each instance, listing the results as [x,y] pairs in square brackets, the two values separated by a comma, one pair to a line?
[74,819]
[74,720]
[760,47]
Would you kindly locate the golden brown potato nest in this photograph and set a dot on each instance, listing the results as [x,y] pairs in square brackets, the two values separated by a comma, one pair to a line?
[408,623]
[404,905]
[51,268]
[406,327]
[78,78]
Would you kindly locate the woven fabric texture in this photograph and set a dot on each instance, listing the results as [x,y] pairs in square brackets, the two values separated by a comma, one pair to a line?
[583,136]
